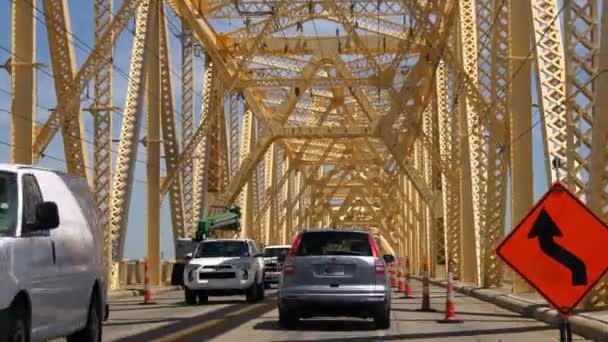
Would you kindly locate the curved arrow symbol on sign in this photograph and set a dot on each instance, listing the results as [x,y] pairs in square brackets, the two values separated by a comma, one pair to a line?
[545,229]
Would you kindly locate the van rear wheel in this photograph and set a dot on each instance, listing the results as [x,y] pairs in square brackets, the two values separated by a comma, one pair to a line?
[92,331]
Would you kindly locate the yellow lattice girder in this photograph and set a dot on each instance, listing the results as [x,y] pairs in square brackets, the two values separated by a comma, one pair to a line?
[95,61]
[187,122]
[58,27]
[102,140]
[551,80]
[598,196]
[129,134]
[329,45]
[169,134]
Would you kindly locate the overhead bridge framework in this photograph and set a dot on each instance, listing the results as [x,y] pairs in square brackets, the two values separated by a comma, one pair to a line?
[415,119]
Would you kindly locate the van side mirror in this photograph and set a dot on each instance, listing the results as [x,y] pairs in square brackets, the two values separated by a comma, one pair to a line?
[189,255]
[281,258]
[388,258]
[47,216]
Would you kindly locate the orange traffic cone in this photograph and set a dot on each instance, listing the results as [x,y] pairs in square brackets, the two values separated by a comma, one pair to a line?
[400,282]
[450,309]
[392,271]
[426,294]
[408,287]
[147,291]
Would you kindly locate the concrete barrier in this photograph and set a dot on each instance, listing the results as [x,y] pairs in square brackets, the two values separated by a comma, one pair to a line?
[167,268]
[131,272]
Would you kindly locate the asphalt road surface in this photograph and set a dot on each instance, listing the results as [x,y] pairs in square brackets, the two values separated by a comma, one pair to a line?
[232,319]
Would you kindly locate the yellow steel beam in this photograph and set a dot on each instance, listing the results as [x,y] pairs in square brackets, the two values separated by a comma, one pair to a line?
[153,134]
[23,81]
[313,45]
[94,62]
[198,154]
[102,140]
[188,123]
[598,195]
[129,134]
[169,134]
[58,29]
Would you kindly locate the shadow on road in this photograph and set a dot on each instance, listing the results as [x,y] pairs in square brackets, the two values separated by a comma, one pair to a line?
[492,314]
[227,323]
[320,325]
[139,322]
[430,335]
[141,307]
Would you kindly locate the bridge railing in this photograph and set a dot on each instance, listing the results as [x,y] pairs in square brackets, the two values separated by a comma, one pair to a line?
[131,272]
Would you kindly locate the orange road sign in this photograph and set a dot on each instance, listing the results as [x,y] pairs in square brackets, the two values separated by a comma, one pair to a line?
[560,248]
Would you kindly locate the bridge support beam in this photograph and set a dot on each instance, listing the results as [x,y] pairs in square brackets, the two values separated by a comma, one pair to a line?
[521,119]
[153,146]
[23,81]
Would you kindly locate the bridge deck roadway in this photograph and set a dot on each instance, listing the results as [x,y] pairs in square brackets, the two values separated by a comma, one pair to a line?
[231,319]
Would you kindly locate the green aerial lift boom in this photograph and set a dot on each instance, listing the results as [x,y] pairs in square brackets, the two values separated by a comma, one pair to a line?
[227,221]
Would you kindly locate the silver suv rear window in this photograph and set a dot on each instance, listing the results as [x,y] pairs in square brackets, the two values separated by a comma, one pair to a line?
[334,243]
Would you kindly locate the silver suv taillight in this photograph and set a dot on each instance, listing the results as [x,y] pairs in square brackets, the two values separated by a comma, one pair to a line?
[378,261]
[288,265]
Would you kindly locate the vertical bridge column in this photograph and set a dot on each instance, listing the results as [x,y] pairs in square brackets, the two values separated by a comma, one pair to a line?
[23,81]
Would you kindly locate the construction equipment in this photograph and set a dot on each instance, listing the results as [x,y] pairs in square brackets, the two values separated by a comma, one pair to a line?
[227,221]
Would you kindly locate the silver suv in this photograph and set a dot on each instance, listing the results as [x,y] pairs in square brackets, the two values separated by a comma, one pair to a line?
[334,273]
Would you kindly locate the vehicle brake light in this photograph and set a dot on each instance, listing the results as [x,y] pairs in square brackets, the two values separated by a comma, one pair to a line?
[374,247]
[379,263]
[288,266]
[295,246]
[380,266]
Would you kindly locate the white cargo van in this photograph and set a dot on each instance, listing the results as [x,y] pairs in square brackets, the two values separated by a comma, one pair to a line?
[52,279]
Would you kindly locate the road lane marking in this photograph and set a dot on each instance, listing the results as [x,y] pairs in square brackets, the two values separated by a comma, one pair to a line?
[207,324]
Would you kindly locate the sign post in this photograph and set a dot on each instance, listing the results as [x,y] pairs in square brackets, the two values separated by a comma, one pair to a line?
[560,249]
[565,333]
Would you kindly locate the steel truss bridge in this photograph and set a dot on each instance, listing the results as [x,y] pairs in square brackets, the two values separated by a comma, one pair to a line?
[413,119]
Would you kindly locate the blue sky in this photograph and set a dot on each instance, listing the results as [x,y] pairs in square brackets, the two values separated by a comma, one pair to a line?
[82,27]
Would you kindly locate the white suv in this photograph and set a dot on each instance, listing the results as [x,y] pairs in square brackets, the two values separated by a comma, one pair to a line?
[223,268]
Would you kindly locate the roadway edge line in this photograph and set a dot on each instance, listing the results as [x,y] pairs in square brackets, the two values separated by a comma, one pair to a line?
[588,328]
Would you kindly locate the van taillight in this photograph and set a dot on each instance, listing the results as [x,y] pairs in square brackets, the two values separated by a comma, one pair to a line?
[288,266]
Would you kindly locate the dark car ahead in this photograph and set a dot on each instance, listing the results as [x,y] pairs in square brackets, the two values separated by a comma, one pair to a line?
[334,273]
